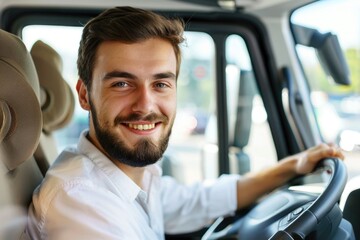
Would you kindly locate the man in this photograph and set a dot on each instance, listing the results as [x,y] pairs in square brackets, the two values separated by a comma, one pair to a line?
[109,187]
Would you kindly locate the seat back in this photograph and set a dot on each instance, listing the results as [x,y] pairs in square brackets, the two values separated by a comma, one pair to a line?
[57,101]
[20,128]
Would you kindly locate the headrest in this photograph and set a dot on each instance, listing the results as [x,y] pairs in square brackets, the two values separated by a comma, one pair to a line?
[20,113]
[57,99]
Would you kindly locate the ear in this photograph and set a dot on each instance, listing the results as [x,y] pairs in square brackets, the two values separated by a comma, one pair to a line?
[83,95]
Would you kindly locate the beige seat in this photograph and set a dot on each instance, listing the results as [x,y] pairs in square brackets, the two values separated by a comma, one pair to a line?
[20,128]
[57,101]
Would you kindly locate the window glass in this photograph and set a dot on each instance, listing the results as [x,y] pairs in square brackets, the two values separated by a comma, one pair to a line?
[196,91]
[247,115]
[247,118]
[337,107]
[184,158]
[67,48]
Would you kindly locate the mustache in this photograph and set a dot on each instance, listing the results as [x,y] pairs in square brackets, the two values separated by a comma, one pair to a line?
[151,117]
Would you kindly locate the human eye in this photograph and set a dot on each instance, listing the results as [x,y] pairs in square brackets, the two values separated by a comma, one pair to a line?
[120,84]
[164,84]
[161,85]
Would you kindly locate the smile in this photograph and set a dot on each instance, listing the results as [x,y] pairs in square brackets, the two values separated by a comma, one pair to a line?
[142,127]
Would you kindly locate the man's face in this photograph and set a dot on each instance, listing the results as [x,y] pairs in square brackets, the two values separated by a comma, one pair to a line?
[132,101]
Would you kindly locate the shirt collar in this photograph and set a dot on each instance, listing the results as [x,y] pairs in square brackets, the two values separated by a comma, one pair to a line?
[124,185]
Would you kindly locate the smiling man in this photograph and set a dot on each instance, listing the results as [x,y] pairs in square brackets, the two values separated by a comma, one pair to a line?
[109,187]
[132,101]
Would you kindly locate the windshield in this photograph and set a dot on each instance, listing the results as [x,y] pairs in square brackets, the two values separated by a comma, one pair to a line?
[336,102]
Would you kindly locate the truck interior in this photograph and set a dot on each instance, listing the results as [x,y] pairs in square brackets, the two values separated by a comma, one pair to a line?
[256,82]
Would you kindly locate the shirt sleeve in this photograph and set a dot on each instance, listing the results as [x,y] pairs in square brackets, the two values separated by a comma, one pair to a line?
[189,208]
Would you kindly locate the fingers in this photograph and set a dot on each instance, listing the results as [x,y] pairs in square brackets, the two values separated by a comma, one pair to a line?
[325,150]
[332,150]
[337,152]
[309,158]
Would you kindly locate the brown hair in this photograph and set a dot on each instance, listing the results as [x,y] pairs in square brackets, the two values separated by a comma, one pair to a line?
[128,25]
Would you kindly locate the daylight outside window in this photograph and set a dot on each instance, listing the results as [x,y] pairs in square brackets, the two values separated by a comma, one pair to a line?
[337,106]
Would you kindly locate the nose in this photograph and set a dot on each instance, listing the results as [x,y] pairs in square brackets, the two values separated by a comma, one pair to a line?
[144,101]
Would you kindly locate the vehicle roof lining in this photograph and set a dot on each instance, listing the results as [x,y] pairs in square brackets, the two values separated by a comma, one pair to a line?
[94,4]
[11,17]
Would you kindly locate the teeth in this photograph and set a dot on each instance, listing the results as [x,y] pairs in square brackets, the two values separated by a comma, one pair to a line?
[142,127]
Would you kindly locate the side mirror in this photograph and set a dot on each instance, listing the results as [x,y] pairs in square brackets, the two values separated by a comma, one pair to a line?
[328,49]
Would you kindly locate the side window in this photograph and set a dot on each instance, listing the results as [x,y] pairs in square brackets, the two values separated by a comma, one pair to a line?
[247,115]
[67,49]
[184,158]
[336,106]
[247,118]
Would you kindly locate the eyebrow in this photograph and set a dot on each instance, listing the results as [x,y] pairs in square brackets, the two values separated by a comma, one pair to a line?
[118,74]
[169,75]
[122,74]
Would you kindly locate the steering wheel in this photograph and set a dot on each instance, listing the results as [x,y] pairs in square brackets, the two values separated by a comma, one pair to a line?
[287,215]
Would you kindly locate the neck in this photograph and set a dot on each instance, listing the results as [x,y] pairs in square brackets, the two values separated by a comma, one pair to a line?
[134,173]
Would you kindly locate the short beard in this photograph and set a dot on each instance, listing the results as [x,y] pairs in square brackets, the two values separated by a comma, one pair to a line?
[144,153]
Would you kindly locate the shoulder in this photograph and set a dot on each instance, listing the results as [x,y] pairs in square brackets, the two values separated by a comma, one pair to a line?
[69,172]
[82,210]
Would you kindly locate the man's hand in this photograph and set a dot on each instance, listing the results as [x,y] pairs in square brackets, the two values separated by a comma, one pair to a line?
[254,185]
[307,160]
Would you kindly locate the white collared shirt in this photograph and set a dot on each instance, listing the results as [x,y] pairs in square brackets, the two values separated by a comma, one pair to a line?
[85,196]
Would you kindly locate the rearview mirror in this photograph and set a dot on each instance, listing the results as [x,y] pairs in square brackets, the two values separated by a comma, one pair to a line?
[328,49]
